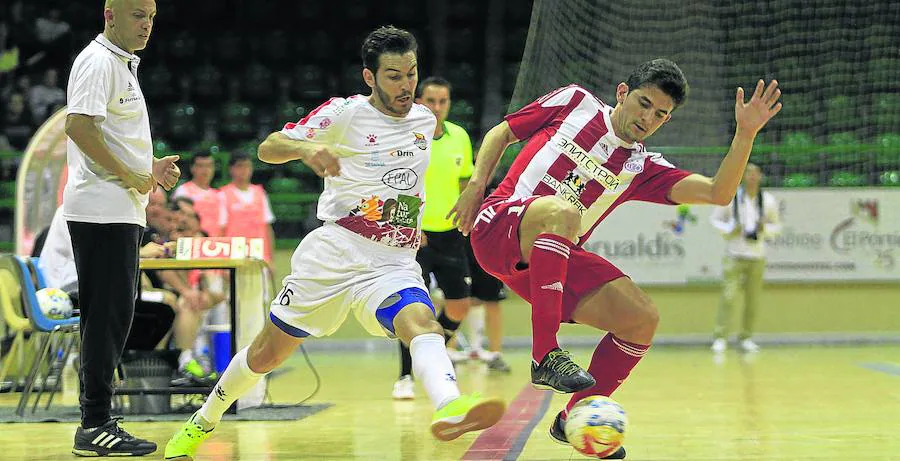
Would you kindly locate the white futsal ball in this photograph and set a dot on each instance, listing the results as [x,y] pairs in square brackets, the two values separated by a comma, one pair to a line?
[596,426]
[54,303]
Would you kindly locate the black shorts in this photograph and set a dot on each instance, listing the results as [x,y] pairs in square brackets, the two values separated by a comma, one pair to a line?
[447,258]
[485,286]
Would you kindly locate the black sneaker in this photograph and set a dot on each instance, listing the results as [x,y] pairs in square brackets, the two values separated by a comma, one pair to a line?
[559,373]
[558,434]
[110,440]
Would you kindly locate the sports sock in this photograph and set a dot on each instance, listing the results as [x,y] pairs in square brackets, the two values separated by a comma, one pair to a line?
[236,380]
[613,360]
[548,266]
[433,369]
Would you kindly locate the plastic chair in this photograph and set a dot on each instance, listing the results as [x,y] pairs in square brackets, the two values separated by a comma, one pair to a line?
[16,323]
[40,323]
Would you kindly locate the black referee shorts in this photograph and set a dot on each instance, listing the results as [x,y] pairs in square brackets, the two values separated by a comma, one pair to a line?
[446,257]
[484,286]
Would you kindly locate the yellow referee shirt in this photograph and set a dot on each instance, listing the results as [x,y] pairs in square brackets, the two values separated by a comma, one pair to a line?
[451,161]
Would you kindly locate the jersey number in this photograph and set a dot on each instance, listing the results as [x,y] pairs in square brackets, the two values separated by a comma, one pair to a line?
[284,297]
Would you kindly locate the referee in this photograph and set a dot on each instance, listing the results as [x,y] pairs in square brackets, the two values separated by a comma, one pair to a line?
[111,172]
[443,251]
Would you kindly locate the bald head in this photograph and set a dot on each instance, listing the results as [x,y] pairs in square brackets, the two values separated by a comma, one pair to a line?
[128,22]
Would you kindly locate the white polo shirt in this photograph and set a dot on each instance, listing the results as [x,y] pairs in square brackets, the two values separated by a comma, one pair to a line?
[103,84]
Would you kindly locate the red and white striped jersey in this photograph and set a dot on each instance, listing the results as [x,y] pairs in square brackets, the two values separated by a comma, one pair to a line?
[573,153]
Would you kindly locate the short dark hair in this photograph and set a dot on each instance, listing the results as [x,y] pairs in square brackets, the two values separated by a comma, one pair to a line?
[199,155]
[175,201]
[663,74]
[433,80]
[386,39]
[237,157]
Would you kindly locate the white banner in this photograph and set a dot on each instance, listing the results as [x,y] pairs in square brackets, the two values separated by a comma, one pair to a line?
[828,235]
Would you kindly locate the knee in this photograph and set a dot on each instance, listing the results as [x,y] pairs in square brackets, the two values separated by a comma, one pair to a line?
[407,332]
[645,318]
[561,218]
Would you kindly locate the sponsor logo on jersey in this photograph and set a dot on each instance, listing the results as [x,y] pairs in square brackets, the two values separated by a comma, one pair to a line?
[634,166]
[420,141]
[587,163]
[400,179]
[371,140]
[325,123]
[402,153]
[565,192]
[374,160]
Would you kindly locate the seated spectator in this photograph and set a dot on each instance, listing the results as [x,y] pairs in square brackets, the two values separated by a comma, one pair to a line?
[16,126]
[50,28]
[45,96]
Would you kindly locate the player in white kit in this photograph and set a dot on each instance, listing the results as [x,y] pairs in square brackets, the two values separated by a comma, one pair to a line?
[372,152]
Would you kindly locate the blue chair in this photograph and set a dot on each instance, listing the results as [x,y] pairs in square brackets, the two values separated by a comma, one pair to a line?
[68,330]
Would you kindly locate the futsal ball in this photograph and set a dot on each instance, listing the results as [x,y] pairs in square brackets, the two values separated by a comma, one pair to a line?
[596,426]
[54,303]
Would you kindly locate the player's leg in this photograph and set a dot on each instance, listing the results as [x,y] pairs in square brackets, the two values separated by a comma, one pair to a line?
[268,350]
[753,282]
[630,318]
[731,286]
[488,291]
[547,231]
[494,326]
[404,387]
[409,315]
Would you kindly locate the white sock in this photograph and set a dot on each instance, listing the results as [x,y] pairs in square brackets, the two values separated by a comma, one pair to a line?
[237,379]
[186,356]
[475,319]
[433,368]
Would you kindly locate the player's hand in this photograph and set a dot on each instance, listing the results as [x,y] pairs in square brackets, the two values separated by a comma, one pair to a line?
[763,105]
[166,172]
[152,250]
[141,182]
[466,208]
[323,162]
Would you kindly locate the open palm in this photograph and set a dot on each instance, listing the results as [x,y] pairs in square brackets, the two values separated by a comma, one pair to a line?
[763,105]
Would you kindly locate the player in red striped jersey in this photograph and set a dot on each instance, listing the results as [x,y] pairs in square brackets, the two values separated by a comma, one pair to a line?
[582,159]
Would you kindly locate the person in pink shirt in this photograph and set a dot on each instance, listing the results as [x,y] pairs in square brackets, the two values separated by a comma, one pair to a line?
[246,211]
[207,203]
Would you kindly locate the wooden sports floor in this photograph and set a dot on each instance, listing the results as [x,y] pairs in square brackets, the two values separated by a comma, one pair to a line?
[785,403]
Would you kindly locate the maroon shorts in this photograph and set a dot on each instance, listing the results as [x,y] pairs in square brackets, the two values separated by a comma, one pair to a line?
[495,242]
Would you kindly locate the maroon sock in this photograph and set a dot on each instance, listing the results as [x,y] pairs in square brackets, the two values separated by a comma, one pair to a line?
[548,266]
[612,362]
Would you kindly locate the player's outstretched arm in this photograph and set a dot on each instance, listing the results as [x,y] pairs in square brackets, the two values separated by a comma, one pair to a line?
[278,149]
[493,145]
[750,118]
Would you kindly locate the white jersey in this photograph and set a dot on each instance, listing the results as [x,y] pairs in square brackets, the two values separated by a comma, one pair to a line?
[380,191]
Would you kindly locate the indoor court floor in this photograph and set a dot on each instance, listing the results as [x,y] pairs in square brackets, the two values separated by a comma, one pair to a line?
[785,403]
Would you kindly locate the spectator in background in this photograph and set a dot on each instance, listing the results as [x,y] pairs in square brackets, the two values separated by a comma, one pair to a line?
[16,125]
[45,96]
[750,217]
[207,202]
[246,211]
[50,28]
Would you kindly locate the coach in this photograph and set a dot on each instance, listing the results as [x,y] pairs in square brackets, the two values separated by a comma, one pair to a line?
[111,172]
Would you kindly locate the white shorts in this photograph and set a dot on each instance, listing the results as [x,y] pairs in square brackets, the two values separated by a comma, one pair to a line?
[335,271]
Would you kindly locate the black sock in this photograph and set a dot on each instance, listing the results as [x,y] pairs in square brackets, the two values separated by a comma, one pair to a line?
[405,360]
[450,326]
